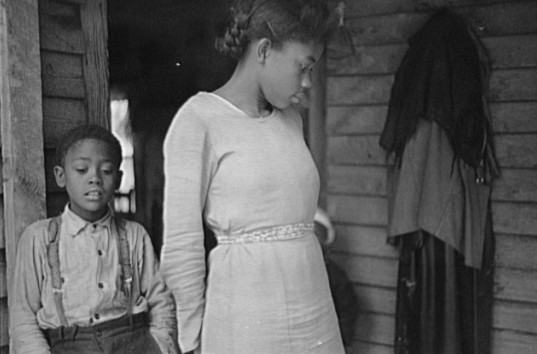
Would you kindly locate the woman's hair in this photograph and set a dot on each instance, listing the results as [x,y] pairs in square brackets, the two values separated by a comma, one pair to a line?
[280,21]
[83,132]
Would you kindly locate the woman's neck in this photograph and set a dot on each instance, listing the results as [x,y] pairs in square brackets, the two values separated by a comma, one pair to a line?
[243,91]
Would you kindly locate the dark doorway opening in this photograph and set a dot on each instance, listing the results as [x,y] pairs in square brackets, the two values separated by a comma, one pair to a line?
[161,52]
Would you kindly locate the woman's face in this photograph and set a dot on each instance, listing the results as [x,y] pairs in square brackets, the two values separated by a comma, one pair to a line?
[287,72]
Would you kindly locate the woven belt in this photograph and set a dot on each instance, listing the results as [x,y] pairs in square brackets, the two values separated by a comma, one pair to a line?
[277,233]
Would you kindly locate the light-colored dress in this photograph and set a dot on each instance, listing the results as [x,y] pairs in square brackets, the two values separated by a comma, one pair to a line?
[254,182]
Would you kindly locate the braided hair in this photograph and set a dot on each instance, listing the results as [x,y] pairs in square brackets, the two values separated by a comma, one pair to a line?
[280,21]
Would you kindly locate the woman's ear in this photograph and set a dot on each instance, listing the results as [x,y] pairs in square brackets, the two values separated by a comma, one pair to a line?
[263,49]
[59,174]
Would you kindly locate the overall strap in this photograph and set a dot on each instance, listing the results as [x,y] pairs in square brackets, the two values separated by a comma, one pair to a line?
[53,257]
[125,262]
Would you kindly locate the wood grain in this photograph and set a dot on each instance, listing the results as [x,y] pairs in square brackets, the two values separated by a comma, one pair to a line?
[356,150]
[21,124]
[61,115]
[359,180]
[96,76]
[515,185]
[372,271]
[516,285]
[372,211]
[495,19]
[513,316]
[363,241]
[376,328]
[514,117]
[508,341]
[516,251]
[375,300]
[356,119]
[505,52]
[60,28]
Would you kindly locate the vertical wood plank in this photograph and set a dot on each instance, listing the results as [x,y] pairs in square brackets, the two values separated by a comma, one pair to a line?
[21,123]
[94,17]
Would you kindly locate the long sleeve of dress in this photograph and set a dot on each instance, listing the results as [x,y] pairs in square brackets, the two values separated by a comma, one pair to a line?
[162,315]
[188,165]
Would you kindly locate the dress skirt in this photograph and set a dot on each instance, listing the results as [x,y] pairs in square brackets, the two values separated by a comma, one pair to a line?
[269,297]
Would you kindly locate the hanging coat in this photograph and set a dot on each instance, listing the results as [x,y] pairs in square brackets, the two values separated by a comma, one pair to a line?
[439,190]
[440,79]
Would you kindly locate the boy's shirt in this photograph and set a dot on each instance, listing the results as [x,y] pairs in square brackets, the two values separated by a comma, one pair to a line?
[91,283]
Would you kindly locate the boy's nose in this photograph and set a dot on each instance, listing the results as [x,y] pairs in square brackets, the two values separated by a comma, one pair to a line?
[96,179]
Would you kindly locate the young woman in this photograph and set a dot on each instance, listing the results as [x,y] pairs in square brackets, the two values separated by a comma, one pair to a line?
[236,159]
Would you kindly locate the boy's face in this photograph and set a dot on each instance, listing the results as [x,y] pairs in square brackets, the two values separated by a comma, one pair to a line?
[90,175]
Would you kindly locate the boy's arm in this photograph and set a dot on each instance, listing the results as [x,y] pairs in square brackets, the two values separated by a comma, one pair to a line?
[162,316]
[25,298]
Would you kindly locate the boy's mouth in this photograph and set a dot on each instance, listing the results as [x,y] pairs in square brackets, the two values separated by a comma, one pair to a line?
[94,194]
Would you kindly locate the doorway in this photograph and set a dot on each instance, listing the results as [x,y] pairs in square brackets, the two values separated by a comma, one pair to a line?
[160,53]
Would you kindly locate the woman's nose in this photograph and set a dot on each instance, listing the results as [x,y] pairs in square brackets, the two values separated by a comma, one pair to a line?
[306,81]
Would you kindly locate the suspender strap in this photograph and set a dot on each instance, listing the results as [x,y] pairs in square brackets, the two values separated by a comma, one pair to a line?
[53,257]
[125,262]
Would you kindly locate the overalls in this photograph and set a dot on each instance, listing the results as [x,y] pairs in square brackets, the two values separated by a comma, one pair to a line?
[128,334]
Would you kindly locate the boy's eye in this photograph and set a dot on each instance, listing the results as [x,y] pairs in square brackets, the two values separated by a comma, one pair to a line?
[80,169]
[107,170]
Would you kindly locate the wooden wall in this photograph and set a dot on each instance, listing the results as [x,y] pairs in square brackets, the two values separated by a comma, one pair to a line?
[73,41]
[357,92]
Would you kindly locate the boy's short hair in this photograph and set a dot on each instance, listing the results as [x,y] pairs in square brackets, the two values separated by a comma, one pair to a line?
[83,132]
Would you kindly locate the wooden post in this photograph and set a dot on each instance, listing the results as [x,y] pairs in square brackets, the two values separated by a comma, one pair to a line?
[21,123]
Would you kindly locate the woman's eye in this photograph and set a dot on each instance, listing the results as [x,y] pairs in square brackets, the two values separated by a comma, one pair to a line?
[306,68]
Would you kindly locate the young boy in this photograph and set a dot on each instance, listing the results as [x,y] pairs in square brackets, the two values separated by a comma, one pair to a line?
[87,281]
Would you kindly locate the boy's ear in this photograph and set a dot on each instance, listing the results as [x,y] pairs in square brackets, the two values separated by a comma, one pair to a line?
[263,49]
[60,176]
[118,179]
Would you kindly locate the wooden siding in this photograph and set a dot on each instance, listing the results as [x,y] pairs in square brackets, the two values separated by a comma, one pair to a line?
[74,72]
[357,95]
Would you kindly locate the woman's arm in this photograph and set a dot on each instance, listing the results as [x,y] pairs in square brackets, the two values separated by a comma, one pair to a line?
[188,166]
